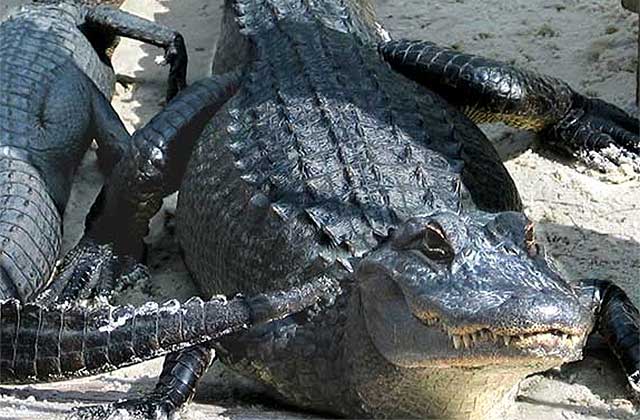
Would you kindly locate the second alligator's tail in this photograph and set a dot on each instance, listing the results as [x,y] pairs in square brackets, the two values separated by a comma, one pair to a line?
[45,344]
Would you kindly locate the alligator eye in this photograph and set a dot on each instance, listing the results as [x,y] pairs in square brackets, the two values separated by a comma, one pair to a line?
[530,244]
[435,244]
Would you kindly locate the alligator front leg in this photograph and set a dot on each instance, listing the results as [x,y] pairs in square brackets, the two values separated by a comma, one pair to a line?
[154,165]
[121,23]
[618,321]
[490,91]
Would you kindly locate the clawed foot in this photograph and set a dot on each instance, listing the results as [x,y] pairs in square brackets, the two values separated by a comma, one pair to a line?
[142,409]
[634,381]
[610,158]
[91,272]
[600,134]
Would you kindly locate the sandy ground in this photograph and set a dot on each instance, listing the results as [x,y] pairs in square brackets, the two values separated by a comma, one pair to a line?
[590,221]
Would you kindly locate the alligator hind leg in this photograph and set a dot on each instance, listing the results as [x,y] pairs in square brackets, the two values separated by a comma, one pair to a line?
[490,91]
[154,165]
[120,23]
[618,321]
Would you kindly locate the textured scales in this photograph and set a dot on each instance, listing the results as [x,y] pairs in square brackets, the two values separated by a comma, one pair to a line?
[44,59]
[321,155]
[324,166]
[55,81]
[352,156]
[323,150]
[45,343]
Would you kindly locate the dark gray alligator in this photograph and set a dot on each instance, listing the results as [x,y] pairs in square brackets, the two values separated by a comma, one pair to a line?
[55,78]
[328,165]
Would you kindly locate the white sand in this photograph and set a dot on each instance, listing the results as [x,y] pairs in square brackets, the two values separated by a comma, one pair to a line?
[590,221]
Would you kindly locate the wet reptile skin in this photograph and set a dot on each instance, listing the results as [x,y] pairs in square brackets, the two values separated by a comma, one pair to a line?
[321,164]
[48,343]
[323,150]
[55,81]
[44,59]
[521,98]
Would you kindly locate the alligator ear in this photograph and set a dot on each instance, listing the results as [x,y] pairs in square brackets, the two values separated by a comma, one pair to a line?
[516,227]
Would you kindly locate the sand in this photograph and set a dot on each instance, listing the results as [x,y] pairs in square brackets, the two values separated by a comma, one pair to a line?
[589,221]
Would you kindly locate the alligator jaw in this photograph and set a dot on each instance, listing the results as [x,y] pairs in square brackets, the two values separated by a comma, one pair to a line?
[418,338]
[470,338]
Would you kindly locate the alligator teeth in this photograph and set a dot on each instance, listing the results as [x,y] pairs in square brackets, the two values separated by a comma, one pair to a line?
[467,340]
[457,341]
[471,339]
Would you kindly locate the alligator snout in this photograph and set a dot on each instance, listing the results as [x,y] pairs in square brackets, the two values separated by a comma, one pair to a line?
[489,299]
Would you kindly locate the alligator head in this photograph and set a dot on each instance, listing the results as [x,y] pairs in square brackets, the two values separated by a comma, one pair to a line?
[469,295]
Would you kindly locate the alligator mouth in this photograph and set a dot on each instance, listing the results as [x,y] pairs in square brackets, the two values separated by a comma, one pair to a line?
[469,338]
[411,336]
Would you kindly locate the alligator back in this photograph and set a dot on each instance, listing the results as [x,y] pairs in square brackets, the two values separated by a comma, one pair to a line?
[321,152]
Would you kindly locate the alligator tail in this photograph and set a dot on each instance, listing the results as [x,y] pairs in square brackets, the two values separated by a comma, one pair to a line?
[45,344]
[30,230]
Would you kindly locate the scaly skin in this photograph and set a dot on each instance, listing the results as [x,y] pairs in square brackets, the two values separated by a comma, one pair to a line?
[327,165]
[44,59]
[320,157]
[53,87]
[45,343]
[490,91]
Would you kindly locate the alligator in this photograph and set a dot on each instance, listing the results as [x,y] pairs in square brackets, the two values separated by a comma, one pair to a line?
[330,164]
[55,78]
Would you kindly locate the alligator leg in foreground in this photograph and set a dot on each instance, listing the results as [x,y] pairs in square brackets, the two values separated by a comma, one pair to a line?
[176,386]
[490,91]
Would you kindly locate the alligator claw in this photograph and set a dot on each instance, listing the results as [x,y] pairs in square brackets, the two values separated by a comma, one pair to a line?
[92,272]
[610,158]
[634,381]
[601,134]
[142,409]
